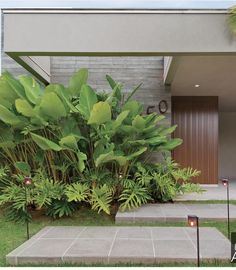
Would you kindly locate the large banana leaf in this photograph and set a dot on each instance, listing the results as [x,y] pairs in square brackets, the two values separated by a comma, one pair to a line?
[5,102]
[101,113]
[136,88]
[86,101]
[111,82]
[139,123]
[119,120]
[170,145]
[82,157]
[137,153]
[6,91]
[52,106]
[10,118]
[16,86]
[44,143]
[77,80]
[69,142]
[134,107]
[108,157]
[24,107]
[63,93]
[32,88]
[167,131]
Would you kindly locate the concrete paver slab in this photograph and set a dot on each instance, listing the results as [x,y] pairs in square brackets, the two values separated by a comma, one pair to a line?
[176,212]
[120,244]
[212,192]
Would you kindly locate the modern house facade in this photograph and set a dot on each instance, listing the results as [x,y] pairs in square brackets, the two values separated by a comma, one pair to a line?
[185,58]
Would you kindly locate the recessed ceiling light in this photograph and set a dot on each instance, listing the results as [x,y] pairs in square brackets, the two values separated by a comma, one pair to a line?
[197,85]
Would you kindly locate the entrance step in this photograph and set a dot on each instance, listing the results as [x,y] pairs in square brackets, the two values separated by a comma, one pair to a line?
[168,212]
[108,245]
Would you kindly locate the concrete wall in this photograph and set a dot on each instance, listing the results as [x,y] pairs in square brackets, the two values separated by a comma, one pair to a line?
[8,63]
[83,32]
[128,70]
[227,145]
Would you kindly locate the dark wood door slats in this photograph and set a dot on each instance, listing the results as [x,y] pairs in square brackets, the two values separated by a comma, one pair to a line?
[197,120]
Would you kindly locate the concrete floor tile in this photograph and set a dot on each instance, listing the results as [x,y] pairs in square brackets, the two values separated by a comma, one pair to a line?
[90,248]
[99,232]
[130,248]
[215,249]
[134,232]
[22,247]
[171,233]
[63,232]
[205,234]
[175,249]
[42,232]
[47,248]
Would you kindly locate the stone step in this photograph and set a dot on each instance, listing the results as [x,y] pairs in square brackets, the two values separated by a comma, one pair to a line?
[172,212]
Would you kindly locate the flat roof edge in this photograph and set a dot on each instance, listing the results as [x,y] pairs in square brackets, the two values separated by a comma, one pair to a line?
[112,11]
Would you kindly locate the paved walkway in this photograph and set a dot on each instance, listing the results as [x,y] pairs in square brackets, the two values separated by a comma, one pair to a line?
[211,193]
[168,212]
[120,244]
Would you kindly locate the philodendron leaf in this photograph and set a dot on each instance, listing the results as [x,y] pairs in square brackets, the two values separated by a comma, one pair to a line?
[52,106]
[77,80]
[24,108]
[101,113]
[9,117]
[23,167]
[32,88]
[87,100]
[44,143]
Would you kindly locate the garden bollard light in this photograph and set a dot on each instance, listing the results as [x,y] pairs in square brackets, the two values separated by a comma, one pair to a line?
[193,221]
[27,182]
[225,183]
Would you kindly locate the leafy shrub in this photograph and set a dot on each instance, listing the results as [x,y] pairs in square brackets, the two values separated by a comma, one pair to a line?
[82,146]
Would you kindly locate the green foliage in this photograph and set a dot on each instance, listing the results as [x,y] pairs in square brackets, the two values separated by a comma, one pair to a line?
[60,208]
[82,146]
[101,198]
[133,197]
[232,19]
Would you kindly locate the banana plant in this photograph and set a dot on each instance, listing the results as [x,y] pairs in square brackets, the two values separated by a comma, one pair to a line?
[86,141]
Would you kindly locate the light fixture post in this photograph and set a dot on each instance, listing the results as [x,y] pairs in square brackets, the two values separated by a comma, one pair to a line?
[225,183]
[27,182]
[198,244]
[193,221]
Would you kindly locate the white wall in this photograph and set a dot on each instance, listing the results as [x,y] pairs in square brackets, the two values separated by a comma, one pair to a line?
[227,144]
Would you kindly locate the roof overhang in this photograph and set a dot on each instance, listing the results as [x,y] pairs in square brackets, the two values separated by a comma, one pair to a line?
[50,32]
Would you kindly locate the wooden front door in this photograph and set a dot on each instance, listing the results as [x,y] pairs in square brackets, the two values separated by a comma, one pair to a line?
[197,121]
